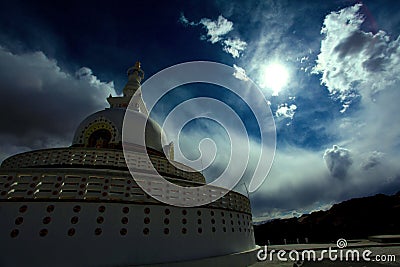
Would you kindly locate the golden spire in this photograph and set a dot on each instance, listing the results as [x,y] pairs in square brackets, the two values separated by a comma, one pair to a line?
[137,65]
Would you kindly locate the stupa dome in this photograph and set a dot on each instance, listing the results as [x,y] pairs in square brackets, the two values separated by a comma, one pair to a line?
[103,129]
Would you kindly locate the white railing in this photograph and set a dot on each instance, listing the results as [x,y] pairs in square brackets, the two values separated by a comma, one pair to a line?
[89,157]
[103,185]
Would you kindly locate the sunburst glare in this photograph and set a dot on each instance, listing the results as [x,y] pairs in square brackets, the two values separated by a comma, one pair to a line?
[274,76]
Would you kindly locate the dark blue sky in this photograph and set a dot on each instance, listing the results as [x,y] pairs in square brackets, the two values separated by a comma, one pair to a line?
[333,114]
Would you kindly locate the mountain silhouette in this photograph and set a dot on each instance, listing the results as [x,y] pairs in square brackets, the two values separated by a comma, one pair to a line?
[352,219]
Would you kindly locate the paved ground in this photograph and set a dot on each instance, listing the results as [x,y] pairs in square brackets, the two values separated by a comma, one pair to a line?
[388,250]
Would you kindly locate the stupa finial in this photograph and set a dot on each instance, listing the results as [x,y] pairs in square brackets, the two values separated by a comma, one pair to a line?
[135,76]
[137,64]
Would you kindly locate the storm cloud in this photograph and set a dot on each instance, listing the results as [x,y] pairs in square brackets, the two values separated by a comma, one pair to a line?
[338,160]
[43,104]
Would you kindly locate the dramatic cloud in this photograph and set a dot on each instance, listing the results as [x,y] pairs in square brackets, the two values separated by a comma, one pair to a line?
[372,160]
[338,160]
[216,29]
[293,185]
[301,181]
[216,32]
[234,46]
[44,103]
[355,62]
[240,73]
[286,111]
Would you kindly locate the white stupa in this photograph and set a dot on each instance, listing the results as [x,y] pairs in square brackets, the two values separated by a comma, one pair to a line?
[79,206]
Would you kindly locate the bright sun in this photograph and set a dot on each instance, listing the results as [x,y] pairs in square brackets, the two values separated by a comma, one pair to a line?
[274,76]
